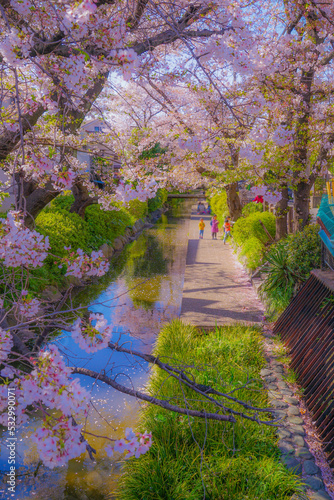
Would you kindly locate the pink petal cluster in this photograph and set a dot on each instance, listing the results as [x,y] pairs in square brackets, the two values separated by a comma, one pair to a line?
[60,443]
[63,179]
[51,384]
[37,166]
[19,246]
[28,307]
[142,191]
[192,144]
[92,338]
[126,60]
[80,264]
[134,444]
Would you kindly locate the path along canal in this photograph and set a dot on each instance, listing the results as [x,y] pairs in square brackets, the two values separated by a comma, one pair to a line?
[141,292]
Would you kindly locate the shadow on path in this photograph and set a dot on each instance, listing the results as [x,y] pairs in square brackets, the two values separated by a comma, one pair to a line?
[216,288]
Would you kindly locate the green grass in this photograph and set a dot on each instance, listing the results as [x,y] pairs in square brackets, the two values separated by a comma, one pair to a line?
[230,461]
[291,376]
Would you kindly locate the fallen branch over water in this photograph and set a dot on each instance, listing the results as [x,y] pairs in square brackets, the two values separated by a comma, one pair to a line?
[227,414]
[150,399]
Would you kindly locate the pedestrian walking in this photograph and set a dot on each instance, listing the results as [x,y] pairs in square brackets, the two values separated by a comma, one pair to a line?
[227,228]
[200,208]
[214,227]
[201,226]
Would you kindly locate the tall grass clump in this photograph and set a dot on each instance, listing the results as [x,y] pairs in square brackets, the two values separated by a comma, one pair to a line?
[190,456]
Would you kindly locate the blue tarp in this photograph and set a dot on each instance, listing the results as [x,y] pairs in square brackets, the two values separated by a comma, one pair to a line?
[326,241]
[326,214]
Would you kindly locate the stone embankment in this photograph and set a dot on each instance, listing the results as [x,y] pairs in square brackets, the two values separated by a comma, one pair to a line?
[293,432]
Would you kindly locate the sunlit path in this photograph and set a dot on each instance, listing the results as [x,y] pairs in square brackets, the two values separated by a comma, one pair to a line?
[216,289]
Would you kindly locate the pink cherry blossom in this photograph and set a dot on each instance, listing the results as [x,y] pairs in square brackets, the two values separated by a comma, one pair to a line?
[79,264]
[92,338]
[6,344]
[19,246]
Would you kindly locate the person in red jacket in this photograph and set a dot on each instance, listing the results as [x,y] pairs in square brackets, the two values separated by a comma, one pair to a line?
[258,198]
[227,228]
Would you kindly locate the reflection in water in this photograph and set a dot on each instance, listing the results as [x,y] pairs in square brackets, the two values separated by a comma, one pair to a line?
[141,292]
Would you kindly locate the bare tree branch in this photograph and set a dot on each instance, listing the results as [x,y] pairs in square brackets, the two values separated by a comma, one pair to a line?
[151,399]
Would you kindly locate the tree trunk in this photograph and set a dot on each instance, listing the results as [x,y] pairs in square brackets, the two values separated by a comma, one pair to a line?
[282,215]
[82,200]
[302,205]
[31,199]
[36,201]
[233,201]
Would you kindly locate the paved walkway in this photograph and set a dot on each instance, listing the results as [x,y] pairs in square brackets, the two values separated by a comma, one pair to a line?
[216,288]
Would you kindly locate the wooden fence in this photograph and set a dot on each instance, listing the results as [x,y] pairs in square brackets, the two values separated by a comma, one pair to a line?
[307,329]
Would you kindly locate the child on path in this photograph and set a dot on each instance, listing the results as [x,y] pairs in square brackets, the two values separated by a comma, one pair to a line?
[227,228]
[201,226]
[214,227]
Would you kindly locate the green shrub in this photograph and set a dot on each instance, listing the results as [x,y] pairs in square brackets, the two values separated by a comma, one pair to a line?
[158,201]
[48,274]
[304,251]
[138,209]
[219,207]
[104,226]
[252,207]
[62,202]
[289,265]
[63,229]
[248,227]
[280,279]
[253,250]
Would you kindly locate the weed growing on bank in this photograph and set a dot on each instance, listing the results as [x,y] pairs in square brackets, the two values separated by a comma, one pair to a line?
[189,456]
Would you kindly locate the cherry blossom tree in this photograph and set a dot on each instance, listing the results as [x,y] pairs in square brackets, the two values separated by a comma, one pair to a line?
[53,77]
[264,96]
[56,59]
[241,90]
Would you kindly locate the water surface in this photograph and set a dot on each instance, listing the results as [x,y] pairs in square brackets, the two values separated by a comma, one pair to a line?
[141,292]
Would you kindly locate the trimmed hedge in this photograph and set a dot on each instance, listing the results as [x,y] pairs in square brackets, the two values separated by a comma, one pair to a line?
[253,250]
[63,202]
[63,229]
[104,226]
[138,209]
[219,207]
[158,201]
[66,229]
[248,227]
[251,208]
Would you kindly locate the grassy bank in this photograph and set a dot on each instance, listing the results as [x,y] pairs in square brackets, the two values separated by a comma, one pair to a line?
[188,456]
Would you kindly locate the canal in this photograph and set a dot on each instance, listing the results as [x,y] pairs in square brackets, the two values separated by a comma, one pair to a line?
[141,292]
